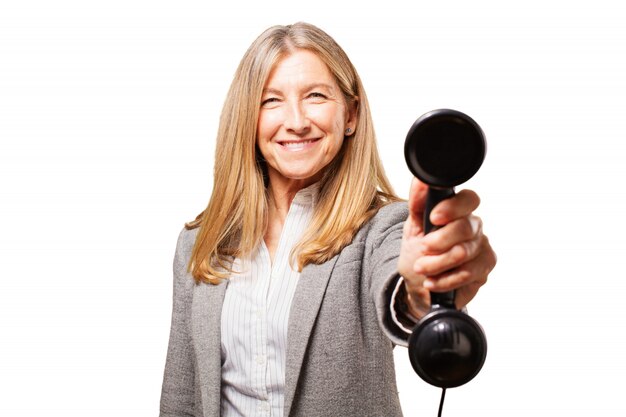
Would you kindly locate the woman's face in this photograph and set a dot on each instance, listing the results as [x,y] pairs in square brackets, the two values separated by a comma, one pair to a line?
[303,120]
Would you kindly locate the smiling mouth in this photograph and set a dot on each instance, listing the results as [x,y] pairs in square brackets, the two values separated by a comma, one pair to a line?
[296,145]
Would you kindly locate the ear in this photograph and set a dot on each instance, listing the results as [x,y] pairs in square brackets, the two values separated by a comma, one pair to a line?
[352,115]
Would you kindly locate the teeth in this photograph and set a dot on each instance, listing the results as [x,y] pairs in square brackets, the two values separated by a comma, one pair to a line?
[296,145]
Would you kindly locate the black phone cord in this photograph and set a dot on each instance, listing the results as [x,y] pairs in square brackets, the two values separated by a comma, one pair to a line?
[443,396]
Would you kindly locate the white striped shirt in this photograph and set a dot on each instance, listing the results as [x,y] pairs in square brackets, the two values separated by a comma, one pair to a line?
[255,316]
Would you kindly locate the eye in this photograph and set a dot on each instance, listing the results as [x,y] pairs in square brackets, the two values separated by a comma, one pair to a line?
[269,101]
[316,95]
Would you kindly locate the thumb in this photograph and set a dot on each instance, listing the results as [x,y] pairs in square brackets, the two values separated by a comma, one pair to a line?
[417,200]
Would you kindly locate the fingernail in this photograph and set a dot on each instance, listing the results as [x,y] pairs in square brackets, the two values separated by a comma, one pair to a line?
[428,284]
[475,224]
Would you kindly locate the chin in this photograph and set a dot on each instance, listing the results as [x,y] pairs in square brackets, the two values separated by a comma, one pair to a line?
[298,175]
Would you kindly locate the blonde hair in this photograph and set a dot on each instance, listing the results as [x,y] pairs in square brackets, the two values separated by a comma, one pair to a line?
[353,186]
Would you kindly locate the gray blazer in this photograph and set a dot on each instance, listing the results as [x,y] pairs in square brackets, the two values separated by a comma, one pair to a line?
[340,334]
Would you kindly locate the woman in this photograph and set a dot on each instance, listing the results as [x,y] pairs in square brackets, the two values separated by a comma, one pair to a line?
[285,286]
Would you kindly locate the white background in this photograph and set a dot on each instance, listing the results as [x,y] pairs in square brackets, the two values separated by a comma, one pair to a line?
[108,114]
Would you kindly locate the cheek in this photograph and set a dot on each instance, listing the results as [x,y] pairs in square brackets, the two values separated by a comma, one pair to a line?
[330,118]
[268,124]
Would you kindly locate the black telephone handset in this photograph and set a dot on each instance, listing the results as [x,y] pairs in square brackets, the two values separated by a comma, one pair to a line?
[445,148]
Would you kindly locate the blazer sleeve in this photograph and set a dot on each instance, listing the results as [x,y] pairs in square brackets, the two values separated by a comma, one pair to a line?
[177,395]
[381,267]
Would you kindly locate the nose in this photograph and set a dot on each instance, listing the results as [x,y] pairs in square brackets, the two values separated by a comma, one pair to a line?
[296,119]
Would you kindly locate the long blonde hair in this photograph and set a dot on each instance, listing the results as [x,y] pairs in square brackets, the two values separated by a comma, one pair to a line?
[352,189]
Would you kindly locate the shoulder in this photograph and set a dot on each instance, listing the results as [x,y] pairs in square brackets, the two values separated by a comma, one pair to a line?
[388,221]
[392,213]
[388,217]
[185,243]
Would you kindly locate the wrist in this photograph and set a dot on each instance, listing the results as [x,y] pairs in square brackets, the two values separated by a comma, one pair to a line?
[417,303]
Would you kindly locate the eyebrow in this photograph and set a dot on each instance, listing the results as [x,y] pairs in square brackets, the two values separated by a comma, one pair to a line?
[306,88]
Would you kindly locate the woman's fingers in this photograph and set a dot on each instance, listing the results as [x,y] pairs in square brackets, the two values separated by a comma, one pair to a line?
[417,200]
[468,277]
[463,252]
[456,256]
[450,209]
[453,233]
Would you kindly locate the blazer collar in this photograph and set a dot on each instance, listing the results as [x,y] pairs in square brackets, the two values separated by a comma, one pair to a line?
[206,314]
[304,309]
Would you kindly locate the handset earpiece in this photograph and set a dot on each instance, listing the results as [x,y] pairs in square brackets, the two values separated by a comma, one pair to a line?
[445,148]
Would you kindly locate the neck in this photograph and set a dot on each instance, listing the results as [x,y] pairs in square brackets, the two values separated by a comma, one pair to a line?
[281,195]
[280,199]
[282,192]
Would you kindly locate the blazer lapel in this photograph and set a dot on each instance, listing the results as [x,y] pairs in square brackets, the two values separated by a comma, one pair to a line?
[304,309]
[205,327]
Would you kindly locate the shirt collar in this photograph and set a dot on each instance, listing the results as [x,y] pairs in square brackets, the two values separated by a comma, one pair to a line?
[307,196]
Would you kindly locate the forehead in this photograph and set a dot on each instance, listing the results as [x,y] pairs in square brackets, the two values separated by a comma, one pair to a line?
[298,68]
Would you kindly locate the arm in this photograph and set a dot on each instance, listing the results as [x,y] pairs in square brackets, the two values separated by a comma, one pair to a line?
[177,395]
[405,265]
[381,268]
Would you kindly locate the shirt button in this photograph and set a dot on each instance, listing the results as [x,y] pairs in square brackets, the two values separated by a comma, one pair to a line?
[260,359]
